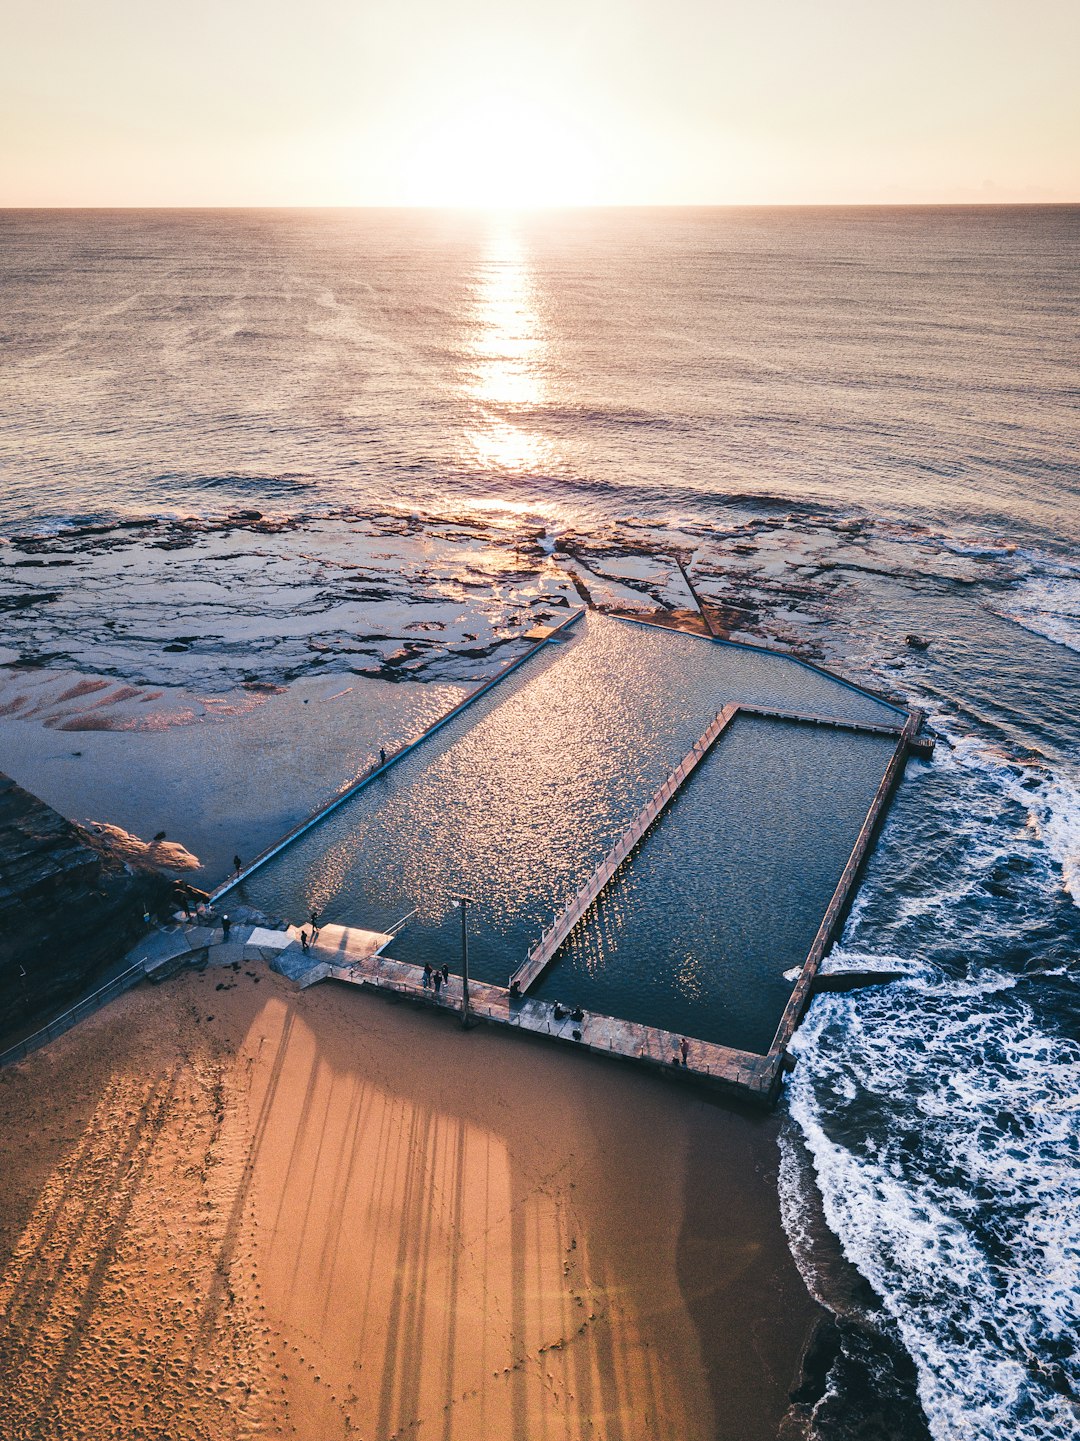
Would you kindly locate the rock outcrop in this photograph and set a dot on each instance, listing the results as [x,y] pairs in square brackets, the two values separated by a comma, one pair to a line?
[68,908]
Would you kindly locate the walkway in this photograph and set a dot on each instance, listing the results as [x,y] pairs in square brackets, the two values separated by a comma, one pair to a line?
[605,1035]
[837,907]
[542,953]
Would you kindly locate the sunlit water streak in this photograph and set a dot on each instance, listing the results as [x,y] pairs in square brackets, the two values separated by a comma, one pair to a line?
[507,359]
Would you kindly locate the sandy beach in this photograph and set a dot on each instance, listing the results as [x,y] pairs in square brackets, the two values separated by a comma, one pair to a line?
[232,1210]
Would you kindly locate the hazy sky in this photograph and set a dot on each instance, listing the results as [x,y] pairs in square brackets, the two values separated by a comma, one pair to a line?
[248,102]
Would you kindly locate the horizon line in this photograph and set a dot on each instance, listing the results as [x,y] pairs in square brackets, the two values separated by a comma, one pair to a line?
[967,204]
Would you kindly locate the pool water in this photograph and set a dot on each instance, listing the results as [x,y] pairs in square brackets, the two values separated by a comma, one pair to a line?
[727,890]
[517,799]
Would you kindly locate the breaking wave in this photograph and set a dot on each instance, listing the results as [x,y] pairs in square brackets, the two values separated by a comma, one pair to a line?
[942,1110]
[1048,607]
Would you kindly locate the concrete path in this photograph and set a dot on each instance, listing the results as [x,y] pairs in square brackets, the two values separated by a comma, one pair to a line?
[361,963]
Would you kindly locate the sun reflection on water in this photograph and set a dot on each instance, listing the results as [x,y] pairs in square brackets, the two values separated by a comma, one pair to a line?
[506,354]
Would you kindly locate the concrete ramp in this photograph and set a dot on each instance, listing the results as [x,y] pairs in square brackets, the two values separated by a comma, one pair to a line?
[347,945]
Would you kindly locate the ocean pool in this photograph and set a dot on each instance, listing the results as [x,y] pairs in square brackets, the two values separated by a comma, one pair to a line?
[514,801]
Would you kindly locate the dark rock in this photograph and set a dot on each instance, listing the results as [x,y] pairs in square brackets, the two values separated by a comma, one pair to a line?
[855,980]
[917,642]
[68,909]
[24,602]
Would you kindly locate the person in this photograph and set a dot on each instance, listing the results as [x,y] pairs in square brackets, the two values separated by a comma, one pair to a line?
[304,942]
[314,925]
[438,983]
[225,924]
[382,756]
[684,1047]
[237,867]
[427,975]
[446,974]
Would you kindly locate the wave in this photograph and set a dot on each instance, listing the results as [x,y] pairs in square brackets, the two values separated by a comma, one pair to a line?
[1050,798]
[1046,606]
[1058,825]
[243,484]
[943,1126]
[942,1110]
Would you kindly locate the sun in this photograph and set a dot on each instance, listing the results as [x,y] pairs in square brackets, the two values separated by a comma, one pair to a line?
[501,153]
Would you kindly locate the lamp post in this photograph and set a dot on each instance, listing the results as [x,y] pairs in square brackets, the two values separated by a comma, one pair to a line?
[462,902]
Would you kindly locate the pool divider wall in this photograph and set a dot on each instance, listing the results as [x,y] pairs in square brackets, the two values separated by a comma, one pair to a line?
[365,780]
[692,588]
[585,897]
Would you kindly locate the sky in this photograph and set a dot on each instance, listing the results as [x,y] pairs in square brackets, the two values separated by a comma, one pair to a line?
[554,102]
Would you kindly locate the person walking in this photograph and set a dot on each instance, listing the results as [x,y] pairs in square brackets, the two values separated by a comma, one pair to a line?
[382,756]
[225,924]
[237,867]
[304,942]
[314,925]
[684,1047]
[438,983]
[427,975]
[446,974]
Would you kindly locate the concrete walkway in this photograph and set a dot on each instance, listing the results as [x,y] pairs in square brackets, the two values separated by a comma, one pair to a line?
[355,957]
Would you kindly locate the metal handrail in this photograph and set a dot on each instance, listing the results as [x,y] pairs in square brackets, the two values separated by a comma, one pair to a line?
[66,1019]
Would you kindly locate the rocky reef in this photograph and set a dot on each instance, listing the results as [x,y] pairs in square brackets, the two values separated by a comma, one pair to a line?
[69,907]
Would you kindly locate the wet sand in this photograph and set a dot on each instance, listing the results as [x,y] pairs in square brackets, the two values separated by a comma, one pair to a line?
[326,1215]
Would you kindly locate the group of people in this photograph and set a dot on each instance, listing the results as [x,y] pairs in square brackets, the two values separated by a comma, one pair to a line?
[305,939]
[433,976]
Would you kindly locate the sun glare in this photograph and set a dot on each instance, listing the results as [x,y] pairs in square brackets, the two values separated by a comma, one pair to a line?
[507,355]
[502,154]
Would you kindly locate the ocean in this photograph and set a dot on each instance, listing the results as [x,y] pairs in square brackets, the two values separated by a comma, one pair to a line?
[859,430]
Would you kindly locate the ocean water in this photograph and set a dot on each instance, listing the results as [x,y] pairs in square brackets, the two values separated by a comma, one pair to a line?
[853,426]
